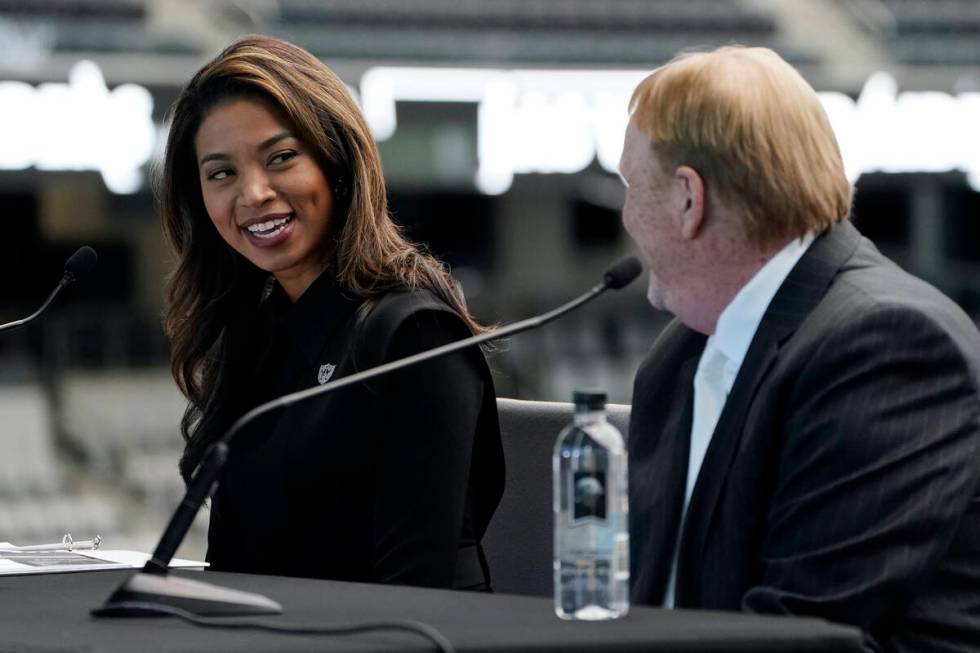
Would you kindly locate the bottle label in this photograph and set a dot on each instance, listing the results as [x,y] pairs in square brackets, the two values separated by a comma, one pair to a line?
[590,496]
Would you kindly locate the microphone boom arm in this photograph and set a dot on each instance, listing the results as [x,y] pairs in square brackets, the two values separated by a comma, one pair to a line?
[207,474]
[391,366]
[152,585]
[47,302]
[77,266]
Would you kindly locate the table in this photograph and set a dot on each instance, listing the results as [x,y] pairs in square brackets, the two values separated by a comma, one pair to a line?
[49,613]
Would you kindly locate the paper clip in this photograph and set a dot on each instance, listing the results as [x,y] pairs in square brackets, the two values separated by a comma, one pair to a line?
[67,544]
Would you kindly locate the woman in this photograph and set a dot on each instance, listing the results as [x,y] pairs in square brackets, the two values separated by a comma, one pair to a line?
[290,272]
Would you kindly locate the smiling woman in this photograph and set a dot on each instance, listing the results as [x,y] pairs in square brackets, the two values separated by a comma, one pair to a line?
[290,272]
[265,192]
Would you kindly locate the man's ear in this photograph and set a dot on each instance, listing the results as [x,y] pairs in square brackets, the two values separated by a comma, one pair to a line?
[690,195]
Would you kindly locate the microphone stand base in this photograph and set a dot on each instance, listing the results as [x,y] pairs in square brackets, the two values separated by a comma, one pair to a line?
[144,594]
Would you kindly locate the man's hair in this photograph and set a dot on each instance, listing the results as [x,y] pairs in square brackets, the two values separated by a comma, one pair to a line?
[755,131]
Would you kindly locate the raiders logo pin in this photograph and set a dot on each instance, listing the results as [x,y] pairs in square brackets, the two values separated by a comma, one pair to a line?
[325,372]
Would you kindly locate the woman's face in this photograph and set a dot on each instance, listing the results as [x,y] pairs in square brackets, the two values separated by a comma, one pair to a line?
[264,191]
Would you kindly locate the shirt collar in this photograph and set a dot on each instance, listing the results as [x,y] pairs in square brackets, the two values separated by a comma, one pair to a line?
[314,318]
[739,321]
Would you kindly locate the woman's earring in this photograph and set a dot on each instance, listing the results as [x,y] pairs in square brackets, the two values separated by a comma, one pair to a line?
[339,189]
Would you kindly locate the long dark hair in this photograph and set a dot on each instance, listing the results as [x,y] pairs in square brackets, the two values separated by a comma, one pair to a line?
[214,290]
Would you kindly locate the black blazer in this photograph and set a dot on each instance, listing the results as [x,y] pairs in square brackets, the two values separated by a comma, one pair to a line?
[842,478]
[393,480]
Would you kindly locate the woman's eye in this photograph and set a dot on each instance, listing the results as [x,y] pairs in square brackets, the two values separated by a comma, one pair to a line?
[218,175]
[282,157]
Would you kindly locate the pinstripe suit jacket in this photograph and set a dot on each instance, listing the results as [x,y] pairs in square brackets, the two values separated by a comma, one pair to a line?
[842,478]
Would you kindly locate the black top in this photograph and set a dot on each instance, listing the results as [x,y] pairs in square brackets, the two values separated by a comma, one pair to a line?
[393,480]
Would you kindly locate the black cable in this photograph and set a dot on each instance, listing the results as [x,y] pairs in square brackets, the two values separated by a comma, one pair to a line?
[439,640]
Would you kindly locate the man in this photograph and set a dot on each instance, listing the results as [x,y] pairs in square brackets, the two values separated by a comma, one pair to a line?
[805,434]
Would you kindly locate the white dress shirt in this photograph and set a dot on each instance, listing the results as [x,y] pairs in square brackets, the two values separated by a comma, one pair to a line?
[721,360]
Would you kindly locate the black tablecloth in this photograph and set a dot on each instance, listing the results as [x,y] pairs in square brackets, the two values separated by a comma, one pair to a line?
[50,612]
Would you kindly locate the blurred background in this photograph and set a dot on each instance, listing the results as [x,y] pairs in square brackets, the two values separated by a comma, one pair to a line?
[500,124]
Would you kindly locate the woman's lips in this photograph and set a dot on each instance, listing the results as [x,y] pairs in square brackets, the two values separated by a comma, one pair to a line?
[270,232]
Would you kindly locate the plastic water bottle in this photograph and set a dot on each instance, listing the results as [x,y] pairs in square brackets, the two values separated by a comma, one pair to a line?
[591,515]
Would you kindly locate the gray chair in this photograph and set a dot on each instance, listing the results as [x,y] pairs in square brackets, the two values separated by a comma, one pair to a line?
[518,542]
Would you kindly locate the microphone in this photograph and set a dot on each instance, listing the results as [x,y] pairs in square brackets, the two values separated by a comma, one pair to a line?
[80,263]
[622,273]
[151,587]
[77,266]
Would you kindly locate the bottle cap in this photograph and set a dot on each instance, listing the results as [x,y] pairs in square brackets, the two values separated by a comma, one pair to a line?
[589,399]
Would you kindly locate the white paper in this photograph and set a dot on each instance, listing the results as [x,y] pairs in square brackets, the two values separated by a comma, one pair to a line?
[13,561]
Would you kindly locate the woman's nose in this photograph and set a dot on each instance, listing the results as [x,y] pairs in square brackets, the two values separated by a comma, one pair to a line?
[256,190]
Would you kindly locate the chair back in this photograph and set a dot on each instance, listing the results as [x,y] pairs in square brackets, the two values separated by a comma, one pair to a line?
[518,542]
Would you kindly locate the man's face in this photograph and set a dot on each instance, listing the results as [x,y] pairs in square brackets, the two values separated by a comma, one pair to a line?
[648,213]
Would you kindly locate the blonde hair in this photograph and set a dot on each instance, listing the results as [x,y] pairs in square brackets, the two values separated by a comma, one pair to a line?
[755,131]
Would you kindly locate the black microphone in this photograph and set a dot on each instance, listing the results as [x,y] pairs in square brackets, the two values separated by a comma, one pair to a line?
[622,272]
[152,586]
[77,266]
[80,263]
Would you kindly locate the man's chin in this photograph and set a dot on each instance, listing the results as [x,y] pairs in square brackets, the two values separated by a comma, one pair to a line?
[655,295]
